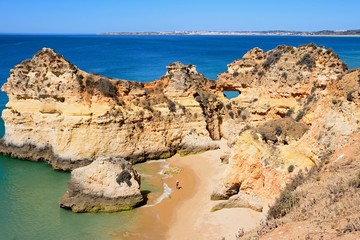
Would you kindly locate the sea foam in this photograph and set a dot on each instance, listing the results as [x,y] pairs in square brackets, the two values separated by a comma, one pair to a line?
[166,193]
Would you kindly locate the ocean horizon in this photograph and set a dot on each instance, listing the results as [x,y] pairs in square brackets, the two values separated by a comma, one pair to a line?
[29,191]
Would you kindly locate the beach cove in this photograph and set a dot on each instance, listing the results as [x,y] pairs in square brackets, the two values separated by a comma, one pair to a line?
[170,213]
[186,212]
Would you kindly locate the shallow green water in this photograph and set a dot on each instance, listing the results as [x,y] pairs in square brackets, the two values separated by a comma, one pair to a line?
[29,196]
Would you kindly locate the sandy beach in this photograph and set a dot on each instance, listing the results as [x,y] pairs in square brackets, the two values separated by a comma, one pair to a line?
[186,214]
[192,217]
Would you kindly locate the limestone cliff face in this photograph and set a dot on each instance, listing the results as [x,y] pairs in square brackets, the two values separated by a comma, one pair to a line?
[302,105]
[63,115]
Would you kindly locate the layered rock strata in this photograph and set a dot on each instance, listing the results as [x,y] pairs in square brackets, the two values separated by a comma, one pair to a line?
[106,185]
[68,117]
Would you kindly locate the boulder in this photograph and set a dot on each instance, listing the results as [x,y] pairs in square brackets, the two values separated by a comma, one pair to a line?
[106,185]
[223,192]
[241,200]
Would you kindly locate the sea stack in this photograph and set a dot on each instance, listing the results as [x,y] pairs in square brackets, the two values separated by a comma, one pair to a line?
[106,185]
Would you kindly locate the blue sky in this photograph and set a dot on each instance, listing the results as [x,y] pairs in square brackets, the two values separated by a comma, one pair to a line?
[93,16]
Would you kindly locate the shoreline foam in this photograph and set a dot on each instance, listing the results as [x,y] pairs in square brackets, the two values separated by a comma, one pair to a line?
[166,193]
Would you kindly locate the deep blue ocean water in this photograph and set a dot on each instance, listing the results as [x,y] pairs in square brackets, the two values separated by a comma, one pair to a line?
[29,192]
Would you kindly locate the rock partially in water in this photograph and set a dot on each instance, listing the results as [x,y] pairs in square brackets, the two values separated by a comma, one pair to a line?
[106,185]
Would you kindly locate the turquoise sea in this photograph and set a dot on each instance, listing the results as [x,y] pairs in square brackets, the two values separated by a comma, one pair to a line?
[29,192]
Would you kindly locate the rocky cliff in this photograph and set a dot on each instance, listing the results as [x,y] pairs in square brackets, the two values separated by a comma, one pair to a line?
[301,105]
[296,106]
[68,117]
[283,82]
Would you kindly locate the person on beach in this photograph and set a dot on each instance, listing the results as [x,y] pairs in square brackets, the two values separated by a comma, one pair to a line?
[177,185]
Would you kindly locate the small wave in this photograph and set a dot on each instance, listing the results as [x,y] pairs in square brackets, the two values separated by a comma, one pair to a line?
[164,168]
[166,193]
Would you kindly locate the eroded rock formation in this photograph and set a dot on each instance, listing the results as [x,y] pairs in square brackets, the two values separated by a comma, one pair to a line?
[106,185]
[297,106]
[302,104]
[65,116]
[283,82]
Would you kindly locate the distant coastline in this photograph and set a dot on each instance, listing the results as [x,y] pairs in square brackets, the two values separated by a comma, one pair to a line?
[243,33]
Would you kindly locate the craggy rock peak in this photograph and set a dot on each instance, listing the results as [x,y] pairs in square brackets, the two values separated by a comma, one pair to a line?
[106,185]
[276,84]
[63,115]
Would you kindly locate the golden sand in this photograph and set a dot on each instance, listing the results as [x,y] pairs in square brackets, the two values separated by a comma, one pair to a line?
[186,214]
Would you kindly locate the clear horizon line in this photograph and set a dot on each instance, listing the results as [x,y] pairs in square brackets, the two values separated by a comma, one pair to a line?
[179,31]
[271,30]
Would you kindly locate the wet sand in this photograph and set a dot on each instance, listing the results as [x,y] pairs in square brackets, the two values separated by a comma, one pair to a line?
[185,214]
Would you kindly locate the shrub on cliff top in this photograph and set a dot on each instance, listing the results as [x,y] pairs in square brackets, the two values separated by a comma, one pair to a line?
[329,51]
[220,106]
[349,96]
[231,114]
[307,60]
[272,58]
[228,106]
[80,78]
[312,45]
[106,88]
